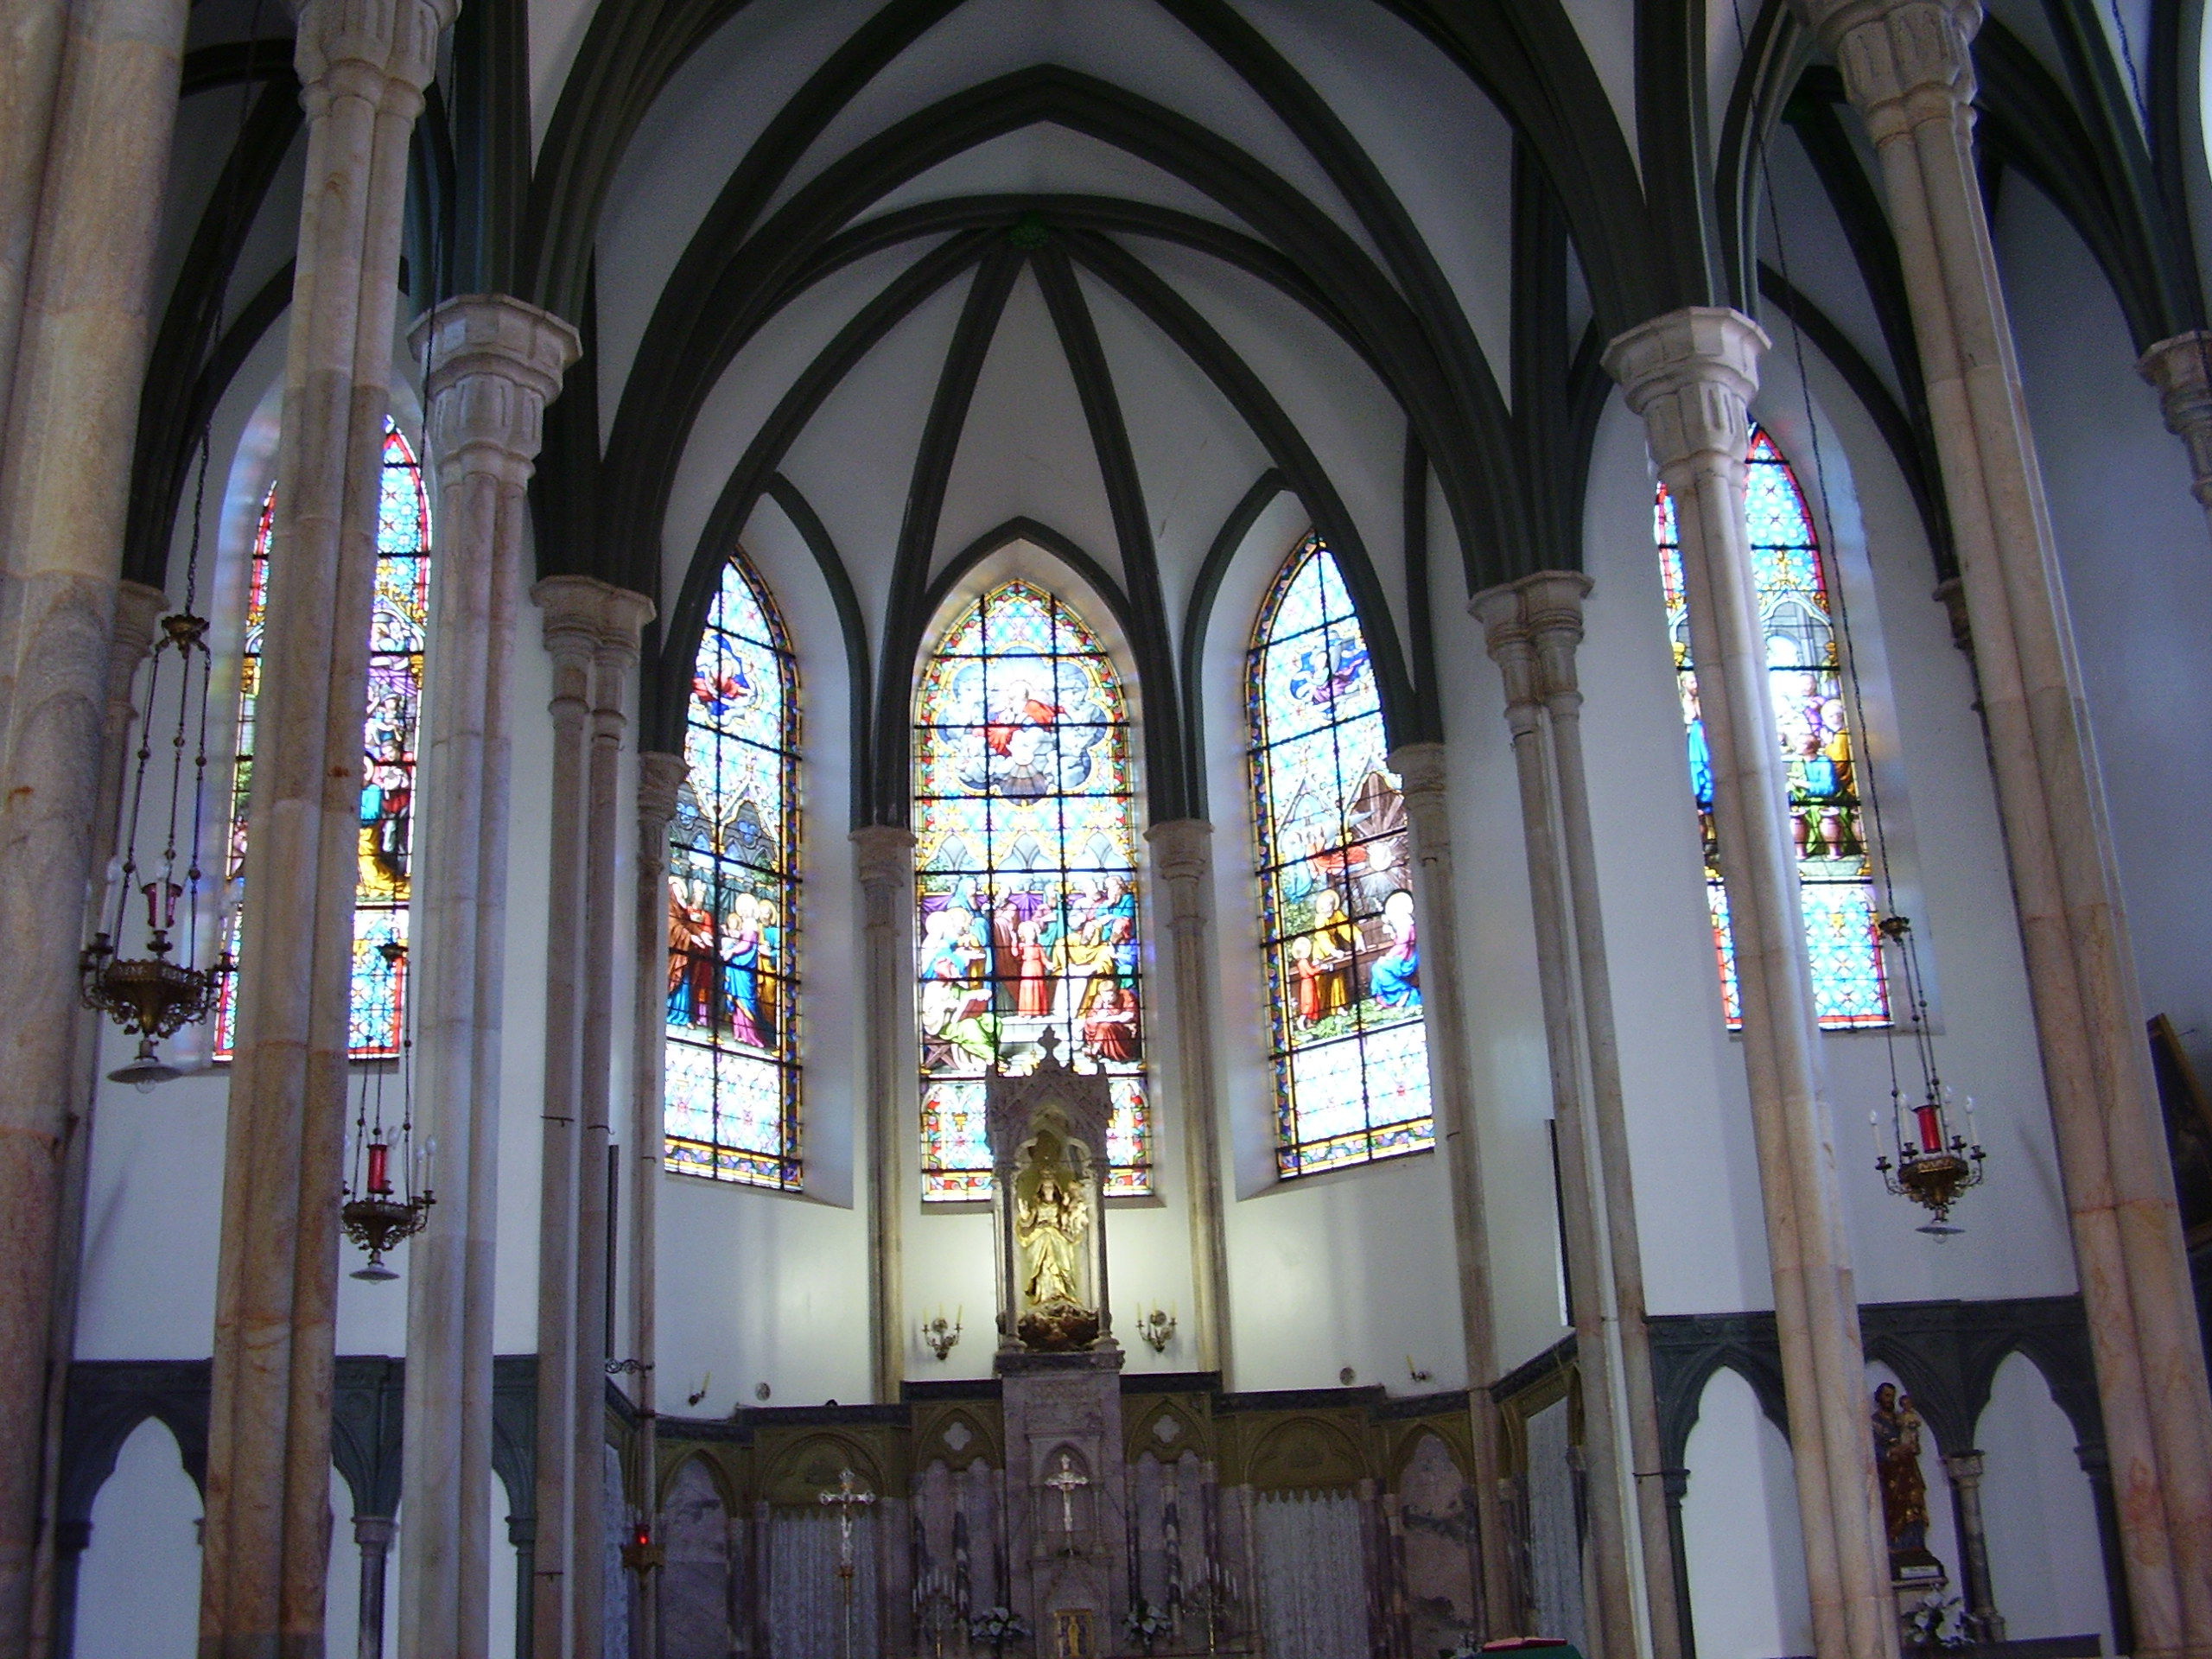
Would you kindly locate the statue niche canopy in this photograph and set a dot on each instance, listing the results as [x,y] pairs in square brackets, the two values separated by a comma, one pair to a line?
[1048,1141]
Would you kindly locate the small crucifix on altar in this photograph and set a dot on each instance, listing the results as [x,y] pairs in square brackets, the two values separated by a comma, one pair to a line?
[1067,1483]
[849,1497]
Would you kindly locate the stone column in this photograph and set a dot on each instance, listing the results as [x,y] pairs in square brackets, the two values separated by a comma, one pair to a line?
[522,1533]
[1182,869]
[373,1534]
[2179,369]
[660,777]
[1691,375]
[883,861]
[1421,771]
[494,363]
[1907,67]
[1533,628]
[1983,1620]
[591,632]
[79,352]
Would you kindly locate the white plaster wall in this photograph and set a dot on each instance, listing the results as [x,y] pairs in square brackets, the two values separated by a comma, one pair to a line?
[1739,1530]
[2132,546]
[138,1582]
[2046,1568]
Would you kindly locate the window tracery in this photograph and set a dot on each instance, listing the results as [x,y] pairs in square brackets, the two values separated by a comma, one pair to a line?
[1804,682]
[1350,1052]
[1027,915]
[399,629]
[732,1091]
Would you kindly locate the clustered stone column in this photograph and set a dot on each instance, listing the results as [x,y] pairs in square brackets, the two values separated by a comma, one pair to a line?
[1182,868]
[1964,1470]
[494,363]
[1422,774]
[591,634]
[660,783]
[1907,68]
[363,65]
[883,861]
[88,152]
[1532,628]
[1691,375]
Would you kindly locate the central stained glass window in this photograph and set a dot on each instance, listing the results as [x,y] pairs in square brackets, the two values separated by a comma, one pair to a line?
[732,1089]
[1835,878]
[1336,906]
[399,623]
[1026,885]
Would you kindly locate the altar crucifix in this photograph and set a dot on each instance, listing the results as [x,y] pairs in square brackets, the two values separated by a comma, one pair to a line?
[1067,1484]
[849,1497]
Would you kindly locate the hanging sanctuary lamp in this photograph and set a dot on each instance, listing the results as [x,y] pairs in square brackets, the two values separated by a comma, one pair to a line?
[387,1196]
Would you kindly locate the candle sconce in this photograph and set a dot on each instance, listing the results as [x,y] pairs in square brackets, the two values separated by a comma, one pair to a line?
[1156,1328]
[939,1336]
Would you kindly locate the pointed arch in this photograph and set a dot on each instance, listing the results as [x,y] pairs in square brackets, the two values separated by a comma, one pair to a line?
[1805,682]
[1027,917]
[399,626]
[732,1101]
[1350,1052]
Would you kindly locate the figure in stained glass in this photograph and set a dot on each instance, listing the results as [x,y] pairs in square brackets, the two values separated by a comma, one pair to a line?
[399,629]
[1804,682]
[733,1072]
[1342,948]
[1025,885]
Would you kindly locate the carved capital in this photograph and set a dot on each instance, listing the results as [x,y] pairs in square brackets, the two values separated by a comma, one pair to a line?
[1692,375]
[883,862]
[1503,613]
[660,781]
[495,363]
[374,1532]
[1964,1468]
[381,51]
[137,613]
[1182,850]
[1553,604]
[1422,772]
[1904,62]
[590,619]
[2181,368]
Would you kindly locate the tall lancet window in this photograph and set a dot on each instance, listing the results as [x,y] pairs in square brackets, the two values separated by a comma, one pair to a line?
[1336,906]
[1804,679]
[1027,922]
[733,903]
[399,626]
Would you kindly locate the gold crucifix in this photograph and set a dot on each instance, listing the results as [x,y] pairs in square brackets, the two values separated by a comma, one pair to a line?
[849,1495]
[1065,1482]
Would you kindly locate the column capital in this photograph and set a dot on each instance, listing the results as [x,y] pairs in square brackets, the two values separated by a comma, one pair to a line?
[1182,848]
[883,853]
[383,51]
[2181,369]
[1692,375]
[374,1531]
[1503,613]
[1903,61]
[494,363]
[660,780]
[1422,768]
[586,615]
[1963,1467]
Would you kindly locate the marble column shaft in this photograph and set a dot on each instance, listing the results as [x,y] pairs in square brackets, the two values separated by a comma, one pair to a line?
[363,65]
[372,1536]
[1691,374]
[883,861]
[1182,869]
[660,780]
[494,363]
[92,211]
[1423,770]
[1533,628]
[591,632]
[1985,1622]
[1908,67]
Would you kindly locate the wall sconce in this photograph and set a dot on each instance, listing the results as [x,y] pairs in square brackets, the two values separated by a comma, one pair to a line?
[939,1336]
[1156,1328]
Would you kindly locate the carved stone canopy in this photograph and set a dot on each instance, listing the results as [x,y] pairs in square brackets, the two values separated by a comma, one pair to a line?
[1081,1101]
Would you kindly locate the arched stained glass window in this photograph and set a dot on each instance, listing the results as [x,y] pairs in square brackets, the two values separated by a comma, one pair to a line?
[733,1074]
[1804,680]
[1025,888]
[399,628]
[1336,907]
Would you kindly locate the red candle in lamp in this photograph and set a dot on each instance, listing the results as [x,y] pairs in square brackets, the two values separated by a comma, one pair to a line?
[1931,1126]
[380,1168]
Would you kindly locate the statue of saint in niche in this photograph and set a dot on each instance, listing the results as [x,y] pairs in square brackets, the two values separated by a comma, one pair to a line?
[1052,1219]
[1897,1461]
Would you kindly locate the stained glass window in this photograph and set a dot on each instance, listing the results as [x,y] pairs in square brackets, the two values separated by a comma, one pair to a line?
[1351,1054]
[1804,680]
[1026,878]
[732,1089]
[399,626]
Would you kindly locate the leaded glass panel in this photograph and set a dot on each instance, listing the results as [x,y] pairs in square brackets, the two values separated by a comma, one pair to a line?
[1027,915]
[1804,680]
[1350,1052]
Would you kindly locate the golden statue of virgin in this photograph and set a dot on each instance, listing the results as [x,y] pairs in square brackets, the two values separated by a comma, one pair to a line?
[1049,1227]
